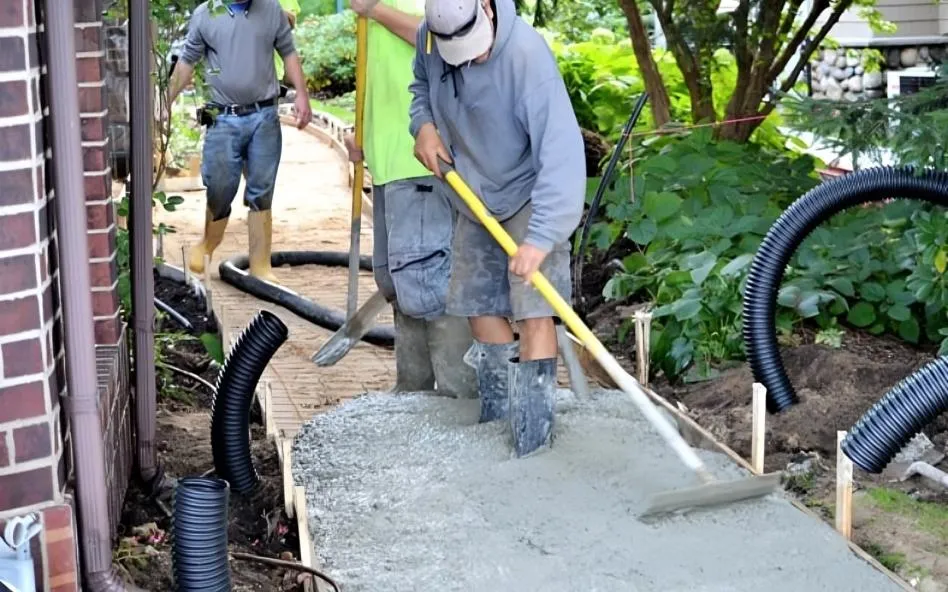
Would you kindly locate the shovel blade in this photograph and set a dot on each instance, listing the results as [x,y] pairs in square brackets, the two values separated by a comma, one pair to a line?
[343,340]
[712,494]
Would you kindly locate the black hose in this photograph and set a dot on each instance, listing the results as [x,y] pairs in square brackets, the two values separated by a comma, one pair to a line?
[232,271]
[897,417]
[600,190]
[786,235]
[230,411]
[199,558]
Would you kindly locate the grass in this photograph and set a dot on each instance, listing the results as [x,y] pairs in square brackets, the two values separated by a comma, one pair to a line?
[928,516]
[892,561]
[338,107]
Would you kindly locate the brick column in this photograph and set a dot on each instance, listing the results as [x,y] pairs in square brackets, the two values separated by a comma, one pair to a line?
[93,107]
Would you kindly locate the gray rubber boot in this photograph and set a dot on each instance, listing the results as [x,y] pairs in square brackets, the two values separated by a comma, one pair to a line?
[413,371]
[449,338]
[532,401]
[491,363]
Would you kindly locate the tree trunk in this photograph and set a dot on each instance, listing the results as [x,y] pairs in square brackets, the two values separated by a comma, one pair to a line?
[657,93]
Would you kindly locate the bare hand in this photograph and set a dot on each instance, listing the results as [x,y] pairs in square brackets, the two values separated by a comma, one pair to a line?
[355,153]
[429,147]
[362,7]
[527,261]
[304,113]
[291,17]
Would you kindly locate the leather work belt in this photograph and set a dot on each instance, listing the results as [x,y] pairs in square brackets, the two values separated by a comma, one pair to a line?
[241,110]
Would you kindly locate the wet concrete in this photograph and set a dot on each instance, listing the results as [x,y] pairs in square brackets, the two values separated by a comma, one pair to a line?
[409,493]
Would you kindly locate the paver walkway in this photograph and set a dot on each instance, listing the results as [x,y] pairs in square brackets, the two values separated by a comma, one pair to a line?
[311,212]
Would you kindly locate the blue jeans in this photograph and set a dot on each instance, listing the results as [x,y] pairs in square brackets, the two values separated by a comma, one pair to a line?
[249,144]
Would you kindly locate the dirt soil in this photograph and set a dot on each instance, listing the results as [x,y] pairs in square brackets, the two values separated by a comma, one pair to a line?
[903,524]
[257,523]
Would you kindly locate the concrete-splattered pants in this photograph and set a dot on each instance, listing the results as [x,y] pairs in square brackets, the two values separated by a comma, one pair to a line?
[250,145]
[412,225]
[481,283]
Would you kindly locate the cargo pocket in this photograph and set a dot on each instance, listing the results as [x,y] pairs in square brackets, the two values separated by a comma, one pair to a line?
[421,281]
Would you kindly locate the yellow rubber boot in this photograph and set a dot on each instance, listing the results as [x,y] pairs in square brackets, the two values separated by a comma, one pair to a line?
[213,235]
[260,226]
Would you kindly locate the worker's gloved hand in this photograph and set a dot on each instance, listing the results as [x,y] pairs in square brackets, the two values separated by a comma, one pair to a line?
[429,147]
[362,7]
[355,153]
[527,261]
[304,112]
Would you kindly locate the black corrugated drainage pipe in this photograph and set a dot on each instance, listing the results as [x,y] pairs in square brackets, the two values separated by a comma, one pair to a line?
[199,558]
[230,412]
[786,235]
[897,417]
[233,271]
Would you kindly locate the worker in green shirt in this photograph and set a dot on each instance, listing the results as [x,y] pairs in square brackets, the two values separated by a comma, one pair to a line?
[413,217]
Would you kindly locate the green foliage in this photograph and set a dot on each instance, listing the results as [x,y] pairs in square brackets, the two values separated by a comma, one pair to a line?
[310,8]
[327,46]
[123,252]
[573,21]
[213,346]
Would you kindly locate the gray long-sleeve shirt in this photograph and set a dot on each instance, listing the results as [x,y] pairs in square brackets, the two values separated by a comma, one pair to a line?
[239,49]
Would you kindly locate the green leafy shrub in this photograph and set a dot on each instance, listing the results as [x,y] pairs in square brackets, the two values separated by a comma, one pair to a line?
[327,47]
[310,8]
[700,212]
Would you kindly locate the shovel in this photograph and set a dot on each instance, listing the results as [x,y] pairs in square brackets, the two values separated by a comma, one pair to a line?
[351,332]
[359,177]
[710,491]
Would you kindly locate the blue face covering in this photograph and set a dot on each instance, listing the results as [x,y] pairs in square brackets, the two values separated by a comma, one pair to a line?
[239,7]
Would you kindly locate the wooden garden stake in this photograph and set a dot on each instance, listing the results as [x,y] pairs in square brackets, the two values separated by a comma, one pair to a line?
[759,427]
[184,264]
[302,525]
[268,409]
[643,330]
[207,284]
[289,504]
[161,246]
[844,489]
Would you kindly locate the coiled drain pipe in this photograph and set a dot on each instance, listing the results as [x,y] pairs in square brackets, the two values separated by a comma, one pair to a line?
[199,529]
[897,417]
[786,235]
[230,419]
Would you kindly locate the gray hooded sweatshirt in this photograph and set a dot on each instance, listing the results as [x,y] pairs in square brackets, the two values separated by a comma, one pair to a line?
[509,126]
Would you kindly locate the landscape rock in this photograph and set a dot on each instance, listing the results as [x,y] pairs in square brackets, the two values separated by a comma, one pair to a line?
[855,84]
[839,74]
[852,61]
[829,56]
[859,70]
[893,58]
[871,80]
[873,94]
[908,57]
[924,53]
[840,62]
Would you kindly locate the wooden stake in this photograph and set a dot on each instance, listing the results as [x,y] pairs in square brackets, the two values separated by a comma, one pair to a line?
[268,409]
[207,284]
[759,428]
[844,489]
[184,265]
[302,525]
[286,468]
[643,330]
[161,246]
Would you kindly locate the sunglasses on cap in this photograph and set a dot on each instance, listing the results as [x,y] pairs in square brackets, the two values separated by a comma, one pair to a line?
[463,29]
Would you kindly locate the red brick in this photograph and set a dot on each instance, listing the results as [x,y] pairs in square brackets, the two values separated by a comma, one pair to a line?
[94,159]
[44,265]
[108,331]
[62,565]
[88,39]
[18,273]
[90,70]
[13,98]
[15,142]
[19,315]
[102,244]
[96,187]
[100,216]
[94,128]
[103,273]
[17,231]
[11,14]
[22,358]
[23,401]
[32,51]
[42,218]
[88,11]
[16,187]
[4,452]
[26,488]
[12,54]
[32,442]
[104,303]
[41,182]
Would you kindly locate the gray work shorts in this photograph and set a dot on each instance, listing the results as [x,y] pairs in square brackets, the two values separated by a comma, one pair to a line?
[412,224]
[481,283]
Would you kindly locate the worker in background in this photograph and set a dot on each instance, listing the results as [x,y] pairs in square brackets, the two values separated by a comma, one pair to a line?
[413,217]
[243,128]
[488,96]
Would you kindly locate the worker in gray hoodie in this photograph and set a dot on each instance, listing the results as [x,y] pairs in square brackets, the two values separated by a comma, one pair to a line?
[488,98]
